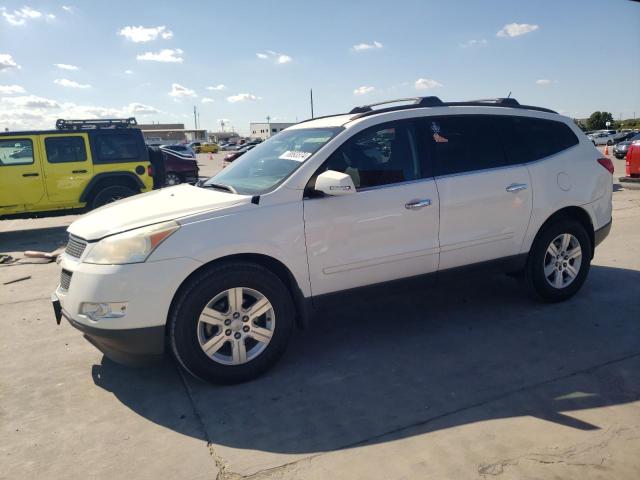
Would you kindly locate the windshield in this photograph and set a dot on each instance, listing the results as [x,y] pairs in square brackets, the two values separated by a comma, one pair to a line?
[270,162]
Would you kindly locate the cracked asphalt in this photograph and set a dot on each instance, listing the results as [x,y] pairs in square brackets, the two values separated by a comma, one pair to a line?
[464,379]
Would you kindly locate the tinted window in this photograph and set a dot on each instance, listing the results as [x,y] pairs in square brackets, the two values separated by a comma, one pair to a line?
[528,139]
[378,156]
[16,152]
[462,143]
[65,149]
[116,148]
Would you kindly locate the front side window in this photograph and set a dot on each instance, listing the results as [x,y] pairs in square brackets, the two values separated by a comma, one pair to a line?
[65,149]
[381,155]
[462,143]
[116,148]
[270,162]
[16,152]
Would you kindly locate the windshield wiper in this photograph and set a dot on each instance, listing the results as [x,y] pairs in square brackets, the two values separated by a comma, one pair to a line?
[220,186]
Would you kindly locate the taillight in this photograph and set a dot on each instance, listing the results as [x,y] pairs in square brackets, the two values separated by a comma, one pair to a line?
[606,163]
[150,171]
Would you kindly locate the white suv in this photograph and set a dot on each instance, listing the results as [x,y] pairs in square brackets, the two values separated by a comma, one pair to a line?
[221,274]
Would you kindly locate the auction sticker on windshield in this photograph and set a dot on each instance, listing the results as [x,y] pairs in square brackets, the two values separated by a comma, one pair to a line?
[295,155]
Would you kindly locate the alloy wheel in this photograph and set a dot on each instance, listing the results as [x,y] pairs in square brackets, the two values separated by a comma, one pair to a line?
[562,261]
[236,326]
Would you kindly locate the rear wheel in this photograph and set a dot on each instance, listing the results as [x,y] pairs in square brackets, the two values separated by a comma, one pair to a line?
[111,194]
[232,323]
[172,179]
[559,261]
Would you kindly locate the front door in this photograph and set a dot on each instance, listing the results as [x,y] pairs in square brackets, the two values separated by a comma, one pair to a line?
[67,167]
[388,229]
[21,184]
[485,204]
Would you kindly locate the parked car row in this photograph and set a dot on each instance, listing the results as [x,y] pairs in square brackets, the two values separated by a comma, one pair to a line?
[610,137]
[621,148]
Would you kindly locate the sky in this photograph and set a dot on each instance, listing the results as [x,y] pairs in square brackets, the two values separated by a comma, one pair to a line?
[242,61]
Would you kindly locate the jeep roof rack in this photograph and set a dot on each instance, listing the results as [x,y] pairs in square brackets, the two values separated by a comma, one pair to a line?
[62,124]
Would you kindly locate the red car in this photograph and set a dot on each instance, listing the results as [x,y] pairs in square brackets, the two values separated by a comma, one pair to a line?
[230,157]
[171,168]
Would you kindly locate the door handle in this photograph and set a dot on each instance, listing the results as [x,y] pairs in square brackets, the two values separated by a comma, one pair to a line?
[30,174]
[79,171]
[516,187]
[417,204]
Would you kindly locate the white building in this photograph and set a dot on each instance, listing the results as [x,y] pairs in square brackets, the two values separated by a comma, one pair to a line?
[265,130]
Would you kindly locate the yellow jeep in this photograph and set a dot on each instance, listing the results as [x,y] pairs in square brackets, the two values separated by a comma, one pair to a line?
[82,163]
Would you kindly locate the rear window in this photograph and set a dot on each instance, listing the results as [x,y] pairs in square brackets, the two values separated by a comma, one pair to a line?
[529,139]
[65,149]
[113,147]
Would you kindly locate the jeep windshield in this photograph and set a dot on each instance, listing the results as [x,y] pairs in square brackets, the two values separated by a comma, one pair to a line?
[272,161]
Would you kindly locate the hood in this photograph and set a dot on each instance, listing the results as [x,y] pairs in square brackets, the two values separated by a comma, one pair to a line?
[153,207]
[624,144]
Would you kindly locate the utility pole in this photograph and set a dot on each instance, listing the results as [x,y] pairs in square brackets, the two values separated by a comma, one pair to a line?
[195,117]
[311,93]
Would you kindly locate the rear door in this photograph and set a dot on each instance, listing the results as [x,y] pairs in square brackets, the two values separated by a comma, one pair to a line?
[485,204]
[21,183]
[67,166]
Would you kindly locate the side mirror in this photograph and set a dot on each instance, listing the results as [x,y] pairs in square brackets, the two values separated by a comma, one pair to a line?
[335,183]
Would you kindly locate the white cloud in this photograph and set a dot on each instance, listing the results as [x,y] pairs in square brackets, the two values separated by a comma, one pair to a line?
[20,17]
[142,34]
[51,16]
[360,47]
[141,109]
[242,97]
[207,100]
[217,88]
[363,90]
[11,89]
[516,29]
[30,101]
[63,82]
[166,55]
[178,91]
[7,62]
[64,66]
[474,43]
[426,84]
[67,8]
[277,58]
[544,82]
[129,72]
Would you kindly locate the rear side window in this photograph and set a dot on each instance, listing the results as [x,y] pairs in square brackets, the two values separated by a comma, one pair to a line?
[65,149]
[529,139]
[17,151]
[462,143]
[112,147]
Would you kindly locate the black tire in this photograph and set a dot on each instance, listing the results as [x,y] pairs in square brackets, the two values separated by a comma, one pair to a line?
[536,281]
[111,194]
[195,295]
[609,142]
[172,179]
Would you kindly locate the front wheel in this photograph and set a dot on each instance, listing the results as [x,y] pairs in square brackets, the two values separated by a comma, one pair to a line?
[172,179]
[231,323]
[559,261]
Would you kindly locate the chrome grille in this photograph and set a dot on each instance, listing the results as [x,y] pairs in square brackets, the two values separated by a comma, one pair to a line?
[65,279]
[75,247]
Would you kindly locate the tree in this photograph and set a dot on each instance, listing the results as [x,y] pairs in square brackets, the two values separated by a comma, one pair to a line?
[598,120]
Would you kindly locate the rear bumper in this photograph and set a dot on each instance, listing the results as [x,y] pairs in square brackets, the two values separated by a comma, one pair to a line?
[134,347]
[602,233]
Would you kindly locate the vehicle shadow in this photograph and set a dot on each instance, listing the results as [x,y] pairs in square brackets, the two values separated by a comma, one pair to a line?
[467,350]
[44,239]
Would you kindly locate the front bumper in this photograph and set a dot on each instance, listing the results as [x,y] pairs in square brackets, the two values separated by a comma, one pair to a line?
[147,289]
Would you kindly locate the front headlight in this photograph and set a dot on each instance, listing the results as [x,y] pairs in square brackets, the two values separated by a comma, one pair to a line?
[133,246]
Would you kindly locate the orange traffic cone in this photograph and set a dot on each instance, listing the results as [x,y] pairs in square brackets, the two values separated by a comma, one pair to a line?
[606,149]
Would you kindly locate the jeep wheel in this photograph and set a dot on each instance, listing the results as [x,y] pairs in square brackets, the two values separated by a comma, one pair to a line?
[231,323]
[558,261]
[111,194]
[172,179]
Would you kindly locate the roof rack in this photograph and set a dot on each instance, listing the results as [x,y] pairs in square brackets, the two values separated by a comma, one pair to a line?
[62,124]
